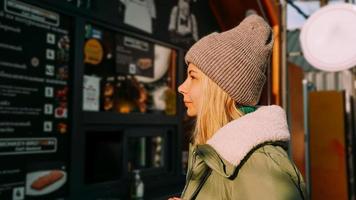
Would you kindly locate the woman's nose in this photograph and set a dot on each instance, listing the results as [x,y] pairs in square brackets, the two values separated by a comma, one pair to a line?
[181,88]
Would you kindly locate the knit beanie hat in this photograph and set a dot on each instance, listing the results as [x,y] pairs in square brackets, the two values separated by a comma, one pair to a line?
[236,59]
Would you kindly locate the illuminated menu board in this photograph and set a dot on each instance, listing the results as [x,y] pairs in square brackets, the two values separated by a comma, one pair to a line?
[35,63]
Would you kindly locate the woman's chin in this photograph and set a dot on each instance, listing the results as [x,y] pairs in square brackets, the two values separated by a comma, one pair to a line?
[191,113]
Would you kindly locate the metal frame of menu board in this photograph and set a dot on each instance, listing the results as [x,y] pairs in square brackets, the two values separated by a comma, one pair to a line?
[83,122]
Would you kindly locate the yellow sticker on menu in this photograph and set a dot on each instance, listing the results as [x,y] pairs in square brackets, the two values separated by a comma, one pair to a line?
[93,52]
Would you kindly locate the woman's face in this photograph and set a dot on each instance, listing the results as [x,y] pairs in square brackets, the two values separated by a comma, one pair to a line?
[191,89]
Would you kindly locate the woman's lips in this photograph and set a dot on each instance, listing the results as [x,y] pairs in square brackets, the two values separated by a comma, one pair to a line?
[186,103]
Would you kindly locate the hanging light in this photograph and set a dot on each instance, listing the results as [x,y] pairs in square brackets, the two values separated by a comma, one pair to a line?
[328,38]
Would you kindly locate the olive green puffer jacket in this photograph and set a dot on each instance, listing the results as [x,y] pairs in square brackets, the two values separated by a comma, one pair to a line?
[245,160]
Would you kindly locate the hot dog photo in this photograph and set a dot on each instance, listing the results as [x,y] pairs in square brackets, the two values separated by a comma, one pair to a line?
[44,182]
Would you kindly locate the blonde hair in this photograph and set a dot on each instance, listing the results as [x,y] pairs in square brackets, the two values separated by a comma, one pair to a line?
[216,109]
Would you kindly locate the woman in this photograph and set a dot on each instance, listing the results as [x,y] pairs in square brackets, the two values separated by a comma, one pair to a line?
[238,150]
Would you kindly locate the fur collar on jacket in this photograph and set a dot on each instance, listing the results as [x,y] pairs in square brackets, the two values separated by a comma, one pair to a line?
[237,138]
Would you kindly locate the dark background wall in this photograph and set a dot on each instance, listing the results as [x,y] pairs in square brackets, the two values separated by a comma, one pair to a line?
[89,146]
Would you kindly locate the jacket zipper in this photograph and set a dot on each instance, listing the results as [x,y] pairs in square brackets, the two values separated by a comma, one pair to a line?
[206,175]
[189,175]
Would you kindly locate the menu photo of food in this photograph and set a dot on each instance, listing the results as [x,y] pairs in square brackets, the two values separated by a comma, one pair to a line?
[44,182]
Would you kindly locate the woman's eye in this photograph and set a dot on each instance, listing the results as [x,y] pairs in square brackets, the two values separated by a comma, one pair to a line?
[192,77]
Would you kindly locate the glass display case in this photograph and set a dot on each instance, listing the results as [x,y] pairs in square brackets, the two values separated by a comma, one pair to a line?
[125,74]
[147,148]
